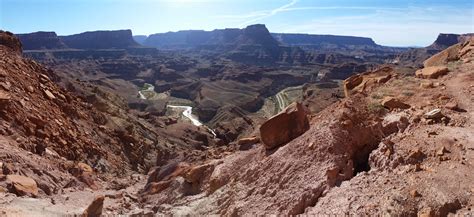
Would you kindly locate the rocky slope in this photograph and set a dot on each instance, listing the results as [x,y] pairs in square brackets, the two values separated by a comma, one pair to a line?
[57,141]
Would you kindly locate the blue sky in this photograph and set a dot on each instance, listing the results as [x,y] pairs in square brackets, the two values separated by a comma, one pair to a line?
[388,22]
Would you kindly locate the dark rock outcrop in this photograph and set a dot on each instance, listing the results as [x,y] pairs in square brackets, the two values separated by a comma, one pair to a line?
[8,40]
[41,40]
[101,40]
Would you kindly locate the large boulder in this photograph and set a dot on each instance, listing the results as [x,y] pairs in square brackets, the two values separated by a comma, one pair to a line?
[394,103]
[248,140]
[22,185]
[443,57]
[394,123]
[460,51]
[285,126]
[367,81]
[466,51]
[95,208]
[168,172]
[4,99]
[432,72]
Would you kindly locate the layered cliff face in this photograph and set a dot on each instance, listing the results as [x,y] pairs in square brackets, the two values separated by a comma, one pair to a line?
[101,40]
[446,40]
[251,45]
[308,40]
[254,35]
[259,34]
[41,40]
[417,56]
[256,45]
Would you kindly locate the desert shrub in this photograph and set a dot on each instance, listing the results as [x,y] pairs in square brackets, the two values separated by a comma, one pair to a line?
[408,93]
[375,107]
[377,95]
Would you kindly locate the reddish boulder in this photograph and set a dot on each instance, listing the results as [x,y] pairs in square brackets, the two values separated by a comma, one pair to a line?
[443,57]
[4,99]
[248,141]
[168,172]
[393,103]
[85,167]
[95,208]
[432,72]
[23,185]
[367,81]
[285,126]
[452,106]
[157,187]
[195,174]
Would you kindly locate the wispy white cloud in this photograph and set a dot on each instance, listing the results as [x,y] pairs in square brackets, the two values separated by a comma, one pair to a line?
[386,25]
[389,26]
[254,16]
[259,15]
[339,8]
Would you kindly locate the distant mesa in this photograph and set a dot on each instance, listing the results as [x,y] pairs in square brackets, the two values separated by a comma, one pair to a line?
[100,40]
[41,41]
[117,39]
[250,38]
[259,34]
[253,44]
[446,40]
[307,40]
[254,34]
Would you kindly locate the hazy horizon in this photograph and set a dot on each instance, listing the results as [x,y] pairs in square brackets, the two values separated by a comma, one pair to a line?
[400,23]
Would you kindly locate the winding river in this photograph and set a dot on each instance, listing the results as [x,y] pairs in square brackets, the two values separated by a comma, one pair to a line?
[188,113]
[150,88]
[187,110]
